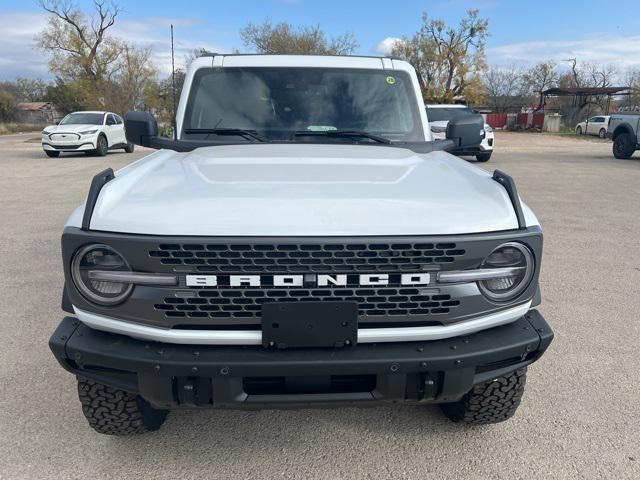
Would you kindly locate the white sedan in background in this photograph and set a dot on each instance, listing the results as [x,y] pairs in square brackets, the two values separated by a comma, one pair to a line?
[439,116]
[89,132]
[598,125]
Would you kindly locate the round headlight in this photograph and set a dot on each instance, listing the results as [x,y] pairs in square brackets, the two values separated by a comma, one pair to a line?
[516,257]
[103,258]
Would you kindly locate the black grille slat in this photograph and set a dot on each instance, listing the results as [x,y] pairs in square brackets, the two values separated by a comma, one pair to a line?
[319,258]
[247,302]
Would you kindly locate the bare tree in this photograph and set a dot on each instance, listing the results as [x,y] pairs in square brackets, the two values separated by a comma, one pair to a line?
[587,75]
[505,89]
[541,77]
[449,60]
[133,79]
[631,80]
[79,44]
[285,38]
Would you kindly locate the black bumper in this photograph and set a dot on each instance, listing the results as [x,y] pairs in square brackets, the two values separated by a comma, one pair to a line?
[176,376]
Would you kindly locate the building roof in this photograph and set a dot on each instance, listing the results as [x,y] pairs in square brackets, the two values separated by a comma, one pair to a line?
[34,106]
[582,91]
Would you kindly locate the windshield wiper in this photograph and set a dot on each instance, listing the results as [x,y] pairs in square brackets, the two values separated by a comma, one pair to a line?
[252,134]
[342,133]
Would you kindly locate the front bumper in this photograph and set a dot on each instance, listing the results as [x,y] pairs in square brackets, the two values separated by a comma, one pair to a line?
[83,143]
[188,376]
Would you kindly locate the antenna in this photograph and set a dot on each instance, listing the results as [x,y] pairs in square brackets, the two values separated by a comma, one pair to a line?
[173,89]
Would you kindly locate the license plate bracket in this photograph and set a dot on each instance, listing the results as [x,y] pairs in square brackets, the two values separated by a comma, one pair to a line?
[309,324]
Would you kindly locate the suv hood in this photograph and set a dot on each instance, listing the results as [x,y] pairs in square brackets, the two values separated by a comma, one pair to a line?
[72,128]
[301,190]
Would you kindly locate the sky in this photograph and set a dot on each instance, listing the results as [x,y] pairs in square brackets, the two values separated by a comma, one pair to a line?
[521,32]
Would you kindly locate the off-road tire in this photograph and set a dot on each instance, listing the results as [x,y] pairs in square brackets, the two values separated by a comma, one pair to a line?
[483,157]
[102,147]
[491,402]
[115,412]
[579,131]
[623,146]
[129,148]
[52,153]
[602,133]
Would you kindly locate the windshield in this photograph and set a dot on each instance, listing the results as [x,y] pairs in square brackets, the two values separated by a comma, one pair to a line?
[82,119]
[444,114]
[277,102]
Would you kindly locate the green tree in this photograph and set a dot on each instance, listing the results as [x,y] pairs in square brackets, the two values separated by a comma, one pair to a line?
[449,60]
[66,96]
[94,70]
[80,45]
[285,38]
[7,106]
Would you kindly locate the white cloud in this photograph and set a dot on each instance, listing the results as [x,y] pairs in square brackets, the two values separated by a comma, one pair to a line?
[19,57]
[155,33]
[385,47]
[623,51]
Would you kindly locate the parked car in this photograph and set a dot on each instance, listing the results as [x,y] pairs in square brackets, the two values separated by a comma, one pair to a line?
[316,248]
[439,116]
[594,126]
[624,130]
[89,132]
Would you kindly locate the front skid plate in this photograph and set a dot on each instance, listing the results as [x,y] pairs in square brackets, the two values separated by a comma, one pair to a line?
[152,369]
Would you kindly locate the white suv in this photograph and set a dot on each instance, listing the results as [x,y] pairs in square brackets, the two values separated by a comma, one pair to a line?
[302,241]
[89,132]
[439,116]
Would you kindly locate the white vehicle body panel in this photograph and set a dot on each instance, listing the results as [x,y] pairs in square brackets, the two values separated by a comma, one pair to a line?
[302,190]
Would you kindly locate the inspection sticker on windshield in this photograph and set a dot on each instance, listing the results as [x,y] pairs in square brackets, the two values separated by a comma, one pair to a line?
[391,80]
[321,128]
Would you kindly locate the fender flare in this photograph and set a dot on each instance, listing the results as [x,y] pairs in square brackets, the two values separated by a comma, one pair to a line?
[622,128]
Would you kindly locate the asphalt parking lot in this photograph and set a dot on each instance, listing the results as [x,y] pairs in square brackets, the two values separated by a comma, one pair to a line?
[579,417]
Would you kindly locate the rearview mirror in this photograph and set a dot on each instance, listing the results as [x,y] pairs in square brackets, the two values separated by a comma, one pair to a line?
[466,130]
[140,128]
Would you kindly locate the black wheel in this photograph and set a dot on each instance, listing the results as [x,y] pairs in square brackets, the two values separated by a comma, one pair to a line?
[579,131]
[129,148]
[52,153]
[623,146]
[115,412]
[491,402]
[102,147]
[602,133]
[483,157]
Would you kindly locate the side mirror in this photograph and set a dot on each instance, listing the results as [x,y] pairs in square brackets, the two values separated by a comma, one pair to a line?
[140,128]
[466,130]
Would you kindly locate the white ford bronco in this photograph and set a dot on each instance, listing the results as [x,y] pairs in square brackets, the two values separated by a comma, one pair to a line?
[302,241]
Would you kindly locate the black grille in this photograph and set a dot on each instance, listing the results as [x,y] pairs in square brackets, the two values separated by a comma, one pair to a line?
[247,303]
[317,258]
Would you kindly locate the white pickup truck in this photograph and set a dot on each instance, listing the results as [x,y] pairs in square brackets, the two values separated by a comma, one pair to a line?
[302,241]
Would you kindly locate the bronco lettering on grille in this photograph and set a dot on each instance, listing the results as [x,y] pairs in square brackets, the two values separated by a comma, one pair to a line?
[307,280]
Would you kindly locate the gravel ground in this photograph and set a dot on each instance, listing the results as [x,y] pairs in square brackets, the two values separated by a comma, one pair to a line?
[578,418]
